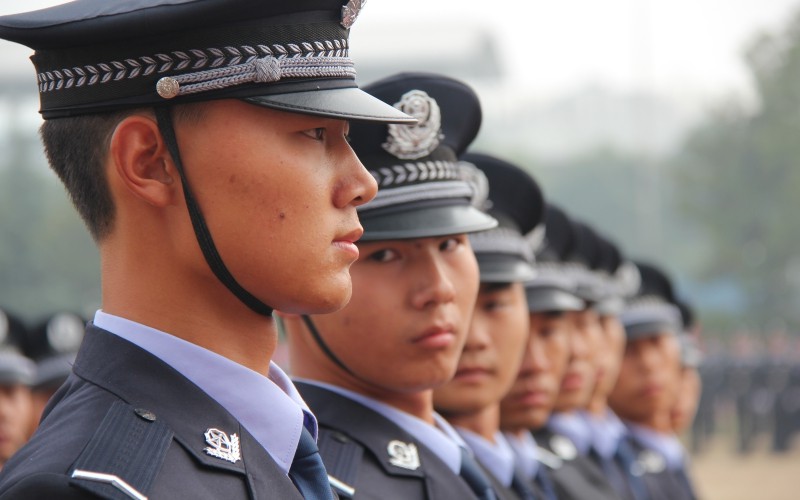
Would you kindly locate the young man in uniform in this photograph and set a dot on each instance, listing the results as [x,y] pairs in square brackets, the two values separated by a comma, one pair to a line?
[499,328]
[369,370]
[567,435]
[528,405]
[648,383]
[204,144]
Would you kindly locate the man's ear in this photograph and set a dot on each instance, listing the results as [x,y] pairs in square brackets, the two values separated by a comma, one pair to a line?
[142,161]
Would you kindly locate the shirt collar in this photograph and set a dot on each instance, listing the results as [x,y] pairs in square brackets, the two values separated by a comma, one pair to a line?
[441,439]
[526,453]
[497,457]
[270,408]
[665,444]
[606,432]
[573,426]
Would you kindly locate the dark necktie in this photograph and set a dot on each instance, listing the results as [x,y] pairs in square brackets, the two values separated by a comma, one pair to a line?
[521,488]
[544,483]
[307,471]
[626,457]
[475,478]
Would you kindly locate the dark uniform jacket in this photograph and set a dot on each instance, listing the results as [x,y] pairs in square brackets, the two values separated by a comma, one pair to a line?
[354,442]
[124,412]
[574,478]
[662,483]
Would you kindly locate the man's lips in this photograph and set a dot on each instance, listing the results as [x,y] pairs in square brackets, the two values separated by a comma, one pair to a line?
[347,242]
[473,373]
[436,336]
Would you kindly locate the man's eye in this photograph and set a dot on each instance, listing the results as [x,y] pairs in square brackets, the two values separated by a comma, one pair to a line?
[449,244]
[318,134]
[383,256]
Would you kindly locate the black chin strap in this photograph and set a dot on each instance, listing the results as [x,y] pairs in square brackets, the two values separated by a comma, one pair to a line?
[198,222]
[325,349]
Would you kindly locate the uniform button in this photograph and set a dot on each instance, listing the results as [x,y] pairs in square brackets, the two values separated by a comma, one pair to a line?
[145,414]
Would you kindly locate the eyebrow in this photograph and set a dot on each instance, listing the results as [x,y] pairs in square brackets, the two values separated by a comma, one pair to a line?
[494,287]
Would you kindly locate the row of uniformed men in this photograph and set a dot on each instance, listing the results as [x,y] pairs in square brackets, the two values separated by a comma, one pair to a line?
[412,388]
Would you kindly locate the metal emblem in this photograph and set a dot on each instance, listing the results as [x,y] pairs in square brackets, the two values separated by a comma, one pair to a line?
[221,446]
[650,461]
[350,12]
[409,142]
[563,447]
[168,87]
[403,455]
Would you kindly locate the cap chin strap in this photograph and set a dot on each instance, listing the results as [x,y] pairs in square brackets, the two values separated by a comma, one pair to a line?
[324,347]
[201,231]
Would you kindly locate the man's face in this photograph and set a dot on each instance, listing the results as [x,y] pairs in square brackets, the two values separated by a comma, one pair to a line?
[492,354]
[15,419]
[405,326]
[579,379]
[533,395]
[685,407]
[609,352]
[279,193]
[648,380]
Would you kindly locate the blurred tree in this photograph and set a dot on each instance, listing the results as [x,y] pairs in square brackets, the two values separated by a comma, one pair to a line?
[739,179]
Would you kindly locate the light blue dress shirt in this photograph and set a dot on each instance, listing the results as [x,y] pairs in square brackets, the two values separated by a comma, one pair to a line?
[665,444]
[607,431]
[441,438]
[497,457]
[270,408]
[573,426]
[526,453]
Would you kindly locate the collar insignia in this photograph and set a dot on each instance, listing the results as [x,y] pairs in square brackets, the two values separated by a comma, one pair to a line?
[403,455]
[563,447]
[410,142]
[350,12]
[222,446]
[649,462]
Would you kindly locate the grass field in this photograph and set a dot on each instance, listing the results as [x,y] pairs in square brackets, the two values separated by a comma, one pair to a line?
[721,474]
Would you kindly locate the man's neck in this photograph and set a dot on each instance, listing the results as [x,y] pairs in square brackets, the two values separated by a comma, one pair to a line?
[484,422]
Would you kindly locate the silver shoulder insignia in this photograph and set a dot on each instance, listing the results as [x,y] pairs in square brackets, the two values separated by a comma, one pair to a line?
[549,458]
[350,12]
[222,446]
[410,142]
[563,447]
[112,479]
[403,455]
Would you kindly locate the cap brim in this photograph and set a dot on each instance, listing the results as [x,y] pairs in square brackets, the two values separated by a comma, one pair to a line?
[544,299]
[649,329]
[349,103]
[424,222]
[497,268]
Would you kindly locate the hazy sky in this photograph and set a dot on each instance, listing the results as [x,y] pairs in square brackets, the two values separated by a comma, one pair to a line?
[670,46]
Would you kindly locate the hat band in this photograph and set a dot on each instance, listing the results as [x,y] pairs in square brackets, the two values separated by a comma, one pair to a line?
[418,192]
[264,70]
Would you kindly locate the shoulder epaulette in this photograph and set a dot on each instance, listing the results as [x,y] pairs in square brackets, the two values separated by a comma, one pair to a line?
[342,457]
[125,454]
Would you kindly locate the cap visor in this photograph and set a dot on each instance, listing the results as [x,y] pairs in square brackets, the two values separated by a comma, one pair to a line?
[349,103]
[503,269]
[425,222]
[552,299]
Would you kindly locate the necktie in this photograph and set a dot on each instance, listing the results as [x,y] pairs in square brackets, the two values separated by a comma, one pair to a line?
[626,457]
[307,471]
[544,484]
[475,478]
[521,488]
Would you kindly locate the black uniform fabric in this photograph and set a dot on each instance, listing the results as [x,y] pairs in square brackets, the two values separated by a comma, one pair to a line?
[620,472]
[111,371]
[356,441]
[665,483]
[579,478]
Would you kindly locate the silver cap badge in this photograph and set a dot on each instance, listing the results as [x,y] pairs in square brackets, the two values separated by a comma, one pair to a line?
[221,446]
[409,142]
[403,455]
[563,447]
[350,12]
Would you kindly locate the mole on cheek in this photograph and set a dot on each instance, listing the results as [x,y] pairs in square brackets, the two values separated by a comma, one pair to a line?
[282,215]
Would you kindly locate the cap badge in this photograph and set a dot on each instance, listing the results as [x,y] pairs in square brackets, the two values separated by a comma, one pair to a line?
[65,332]
[563,447]
[222,446]
[403,455]
[409,142]
[350,12]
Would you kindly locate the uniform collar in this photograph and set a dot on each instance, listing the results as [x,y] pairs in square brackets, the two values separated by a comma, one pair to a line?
[526,453]
[270,408]
[497,457]
[572,425]
[606,431]
[665,444]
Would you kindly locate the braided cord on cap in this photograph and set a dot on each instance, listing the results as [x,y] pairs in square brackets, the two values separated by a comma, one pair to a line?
[201,231]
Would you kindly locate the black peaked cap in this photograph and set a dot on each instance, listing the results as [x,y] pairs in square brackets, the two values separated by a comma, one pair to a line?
[654,282]
[559,236]
[93,56]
